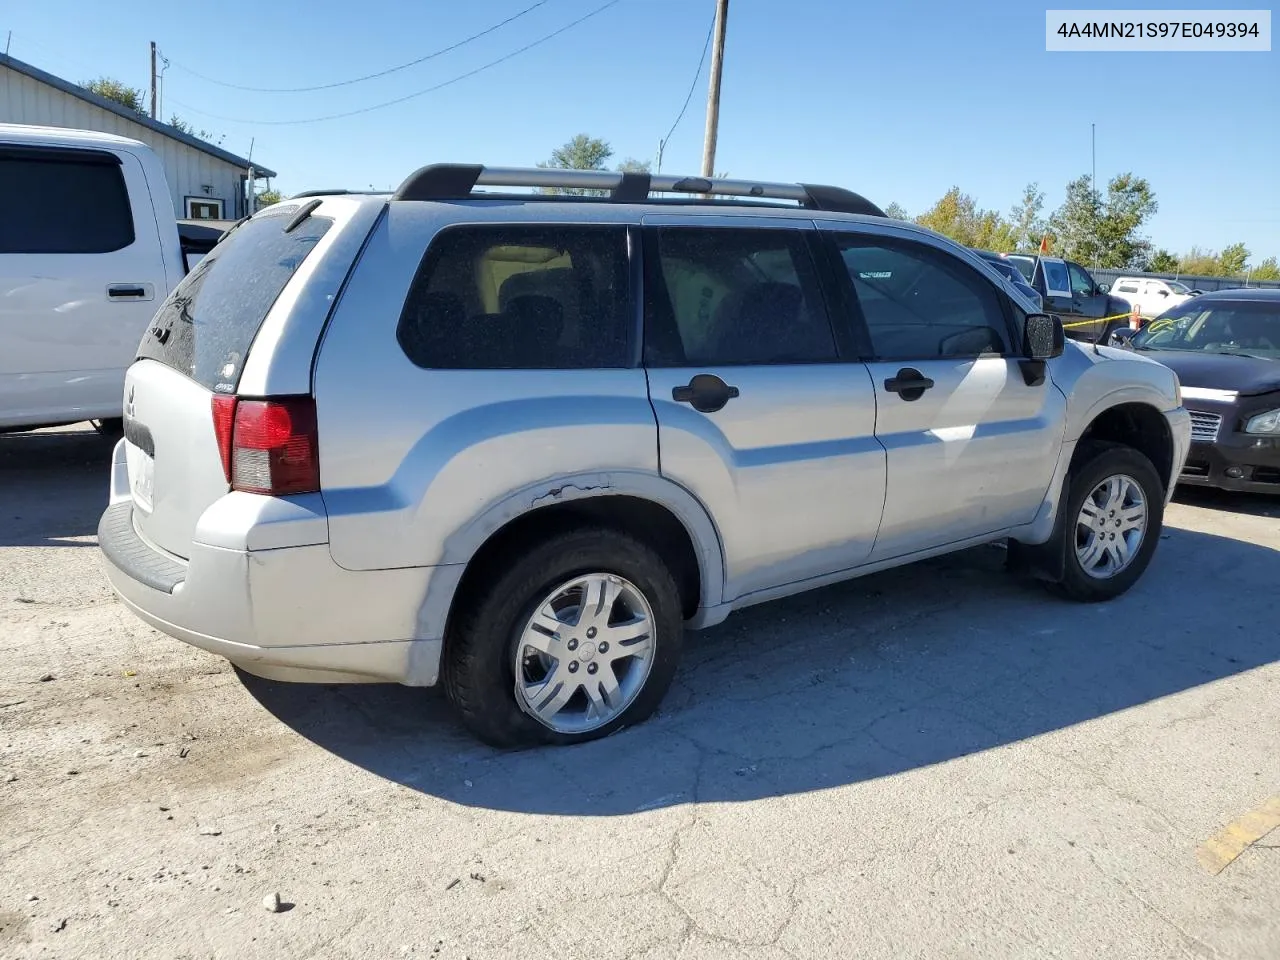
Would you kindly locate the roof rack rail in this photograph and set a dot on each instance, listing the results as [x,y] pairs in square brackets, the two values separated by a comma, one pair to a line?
[456,181]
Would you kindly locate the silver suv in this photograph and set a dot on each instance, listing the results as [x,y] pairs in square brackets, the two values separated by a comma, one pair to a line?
[518,442]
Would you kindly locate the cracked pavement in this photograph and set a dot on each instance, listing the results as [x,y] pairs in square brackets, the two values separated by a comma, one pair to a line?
[938,761]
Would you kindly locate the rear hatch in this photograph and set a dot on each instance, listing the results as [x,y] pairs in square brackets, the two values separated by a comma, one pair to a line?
[195,350]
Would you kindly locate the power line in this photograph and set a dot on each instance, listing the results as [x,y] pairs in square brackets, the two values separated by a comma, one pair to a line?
[702,60]
[367,76]
[410,96]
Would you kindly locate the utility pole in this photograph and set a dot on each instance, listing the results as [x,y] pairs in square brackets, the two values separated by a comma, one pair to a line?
[713,94]
[153,79]
[1093,181]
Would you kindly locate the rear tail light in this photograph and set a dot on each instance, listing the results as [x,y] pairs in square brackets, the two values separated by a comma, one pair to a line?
[268,446]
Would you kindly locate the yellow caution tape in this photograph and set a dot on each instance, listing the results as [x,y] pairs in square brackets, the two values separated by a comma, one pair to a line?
[1091,322]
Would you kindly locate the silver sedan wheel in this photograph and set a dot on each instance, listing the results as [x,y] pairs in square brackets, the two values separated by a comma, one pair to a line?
[585,654]
[1111,527]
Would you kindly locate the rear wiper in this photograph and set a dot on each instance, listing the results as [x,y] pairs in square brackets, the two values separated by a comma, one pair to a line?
[307,209]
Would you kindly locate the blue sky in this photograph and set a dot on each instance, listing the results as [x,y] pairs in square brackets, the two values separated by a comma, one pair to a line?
[897,100]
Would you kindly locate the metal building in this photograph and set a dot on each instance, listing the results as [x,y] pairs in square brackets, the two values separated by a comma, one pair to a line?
[207,182]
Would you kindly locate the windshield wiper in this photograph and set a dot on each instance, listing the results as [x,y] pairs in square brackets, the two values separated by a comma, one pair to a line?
[1239,353]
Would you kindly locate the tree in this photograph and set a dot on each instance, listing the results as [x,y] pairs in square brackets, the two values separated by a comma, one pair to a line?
[1232,260]
[268,197]
[631,165]
[957,216]
[182,126]
[1162,261]
[1203,263]
[1089,229]
[1028,226]
[1268,269]
[580,153]
[896,211]
[123,94]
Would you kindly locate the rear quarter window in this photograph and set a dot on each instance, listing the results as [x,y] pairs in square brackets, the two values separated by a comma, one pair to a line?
[207,325]
[516,296]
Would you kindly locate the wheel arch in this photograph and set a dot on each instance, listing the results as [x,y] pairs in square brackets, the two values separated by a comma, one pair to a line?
[655,510]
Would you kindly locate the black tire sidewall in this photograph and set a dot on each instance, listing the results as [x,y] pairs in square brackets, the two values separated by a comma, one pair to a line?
[1107,462]
[479,661]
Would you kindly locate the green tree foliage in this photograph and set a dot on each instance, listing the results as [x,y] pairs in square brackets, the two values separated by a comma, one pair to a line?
[896,211]
[631,165]
[580,153]
[183,127]
[957,216]
[1268,269]
[1090,229]
[1233,259]
[1162,261]
[267,197]
[121,93]
[1027,224]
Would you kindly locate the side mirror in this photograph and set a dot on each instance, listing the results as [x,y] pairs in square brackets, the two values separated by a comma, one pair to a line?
[1043,337]
[1104,288]
[1163,293]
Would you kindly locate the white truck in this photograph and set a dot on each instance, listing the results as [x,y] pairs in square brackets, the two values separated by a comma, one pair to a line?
[89,248]
[1151,295]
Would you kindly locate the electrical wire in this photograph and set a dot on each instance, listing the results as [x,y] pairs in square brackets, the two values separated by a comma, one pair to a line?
[692,86]
[390,103]
[367,76]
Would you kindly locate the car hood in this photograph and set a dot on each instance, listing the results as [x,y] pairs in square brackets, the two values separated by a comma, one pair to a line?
[1216,371]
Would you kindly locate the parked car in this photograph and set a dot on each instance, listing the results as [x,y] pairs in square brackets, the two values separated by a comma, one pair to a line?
[1013,275]
[518,443]
[1087,310]
[89,247]
[1225,348]
[1151,296]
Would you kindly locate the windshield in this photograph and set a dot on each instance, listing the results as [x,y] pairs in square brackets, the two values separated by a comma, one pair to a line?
[1235,327]
[1177,287]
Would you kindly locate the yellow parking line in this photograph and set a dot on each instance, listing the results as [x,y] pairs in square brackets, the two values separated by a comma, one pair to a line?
[1238,836]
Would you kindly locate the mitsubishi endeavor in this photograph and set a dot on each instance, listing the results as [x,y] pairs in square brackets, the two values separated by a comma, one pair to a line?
[518,442]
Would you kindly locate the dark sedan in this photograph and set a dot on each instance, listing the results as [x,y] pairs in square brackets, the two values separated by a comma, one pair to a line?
[1225,349]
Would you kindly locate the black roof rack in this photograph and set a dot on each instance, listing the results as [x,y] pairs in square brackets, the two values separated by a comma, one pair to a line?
[335,193]
[456,181]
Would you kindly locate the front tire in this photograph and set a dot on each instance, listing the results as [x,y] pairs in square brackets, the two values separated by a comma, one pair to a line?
[1110,526]
[577,638]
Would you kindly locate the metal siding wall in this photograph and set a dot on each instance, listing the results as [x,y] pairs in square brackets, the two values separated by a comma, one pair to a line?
[1207,284]
[24,100]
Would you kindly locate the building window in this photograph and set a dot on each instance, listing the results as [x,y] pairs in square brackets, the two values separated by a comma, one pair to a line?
[203,208]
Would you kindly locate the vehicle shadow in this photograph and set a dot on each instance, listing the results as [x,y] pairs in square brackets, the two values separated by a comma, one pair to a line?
[53,486]
[1251,504]
[862,680]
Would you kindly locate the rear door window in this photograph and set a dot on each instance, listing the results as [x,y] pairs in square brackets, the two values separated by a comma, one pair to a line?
[207,325]
[720,296]
[1056,280]
[518,296]
[54,201]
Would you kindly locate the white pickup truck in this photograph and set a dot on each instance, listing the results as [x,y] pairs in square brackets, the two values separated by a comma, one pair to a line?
[89,248]
[1151,295]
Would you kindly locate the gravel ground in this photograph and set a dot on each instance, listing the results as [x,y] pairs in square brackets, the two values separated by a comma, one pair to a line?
[939,761]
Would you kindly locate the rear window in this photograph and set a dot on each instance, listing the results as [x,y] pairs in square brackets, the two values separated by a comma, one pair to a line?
[62,202]
[206,326]
[520,297]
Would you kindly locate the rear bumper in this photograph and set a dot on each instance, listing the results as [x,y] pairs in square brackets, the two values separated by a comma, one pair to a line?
[1238,462]
[283,612]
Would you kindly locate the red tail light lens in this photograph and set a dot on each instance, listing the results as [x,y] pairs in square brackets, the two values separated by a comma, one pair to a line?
[268,446]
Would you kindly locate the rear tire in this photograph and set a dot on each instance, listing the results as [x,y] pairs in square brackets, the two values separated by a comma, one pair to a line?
[1108,492]
[498,668]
